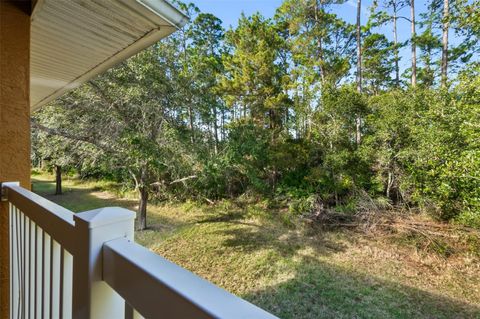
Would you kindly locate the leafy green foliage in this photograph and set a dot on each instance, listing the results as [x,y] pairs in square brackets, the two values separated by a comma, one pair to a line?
[269,109]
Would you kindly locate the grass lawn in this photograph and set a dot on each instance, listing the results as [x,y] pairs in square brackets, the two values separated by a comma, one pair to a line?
[292,272]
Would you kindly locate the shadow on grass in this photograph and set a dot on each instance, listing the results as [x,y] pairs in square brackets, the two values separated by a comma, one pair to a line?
[78,198]
[320,290]
[229,216]
[284,241]
[250,235]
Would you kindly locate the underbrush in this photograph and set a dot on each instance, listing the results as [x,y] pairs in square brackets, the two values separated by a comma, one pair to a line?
[362,214]
[378,218]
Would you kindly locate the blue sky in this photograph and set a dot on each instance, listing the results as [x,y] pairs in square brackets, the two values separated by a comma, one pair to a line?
[230,10]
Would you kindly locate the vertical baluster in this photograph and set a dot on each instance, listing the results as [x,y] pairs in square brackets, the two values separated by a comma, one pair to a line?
[62,277]
[19,263]
[39,272]
[67,285]
[10,251]
[13,261]
[16,297]
[26,260]
[31,273]
[22,264]
[51,276]
[46,276]
[55,280]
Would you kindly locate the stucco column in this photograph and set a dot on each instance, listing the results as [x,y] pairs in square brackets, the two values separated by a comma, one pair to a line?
[14,116]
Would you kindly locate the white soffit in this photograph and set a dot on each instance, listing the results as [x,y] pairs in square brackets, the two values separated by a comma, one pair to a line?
[74,40]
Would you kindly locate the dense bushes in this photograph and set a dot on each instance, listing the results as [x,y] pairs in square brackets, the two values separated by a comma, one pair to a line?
[419,148]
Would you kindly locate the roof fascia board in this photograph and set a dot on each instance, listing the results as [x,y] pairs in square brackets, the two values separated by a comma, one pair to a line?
[167,11]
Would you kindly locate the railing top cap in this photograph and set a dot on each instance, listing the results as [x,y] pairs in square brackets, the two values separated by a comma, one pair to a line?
[3,196]
[104,216]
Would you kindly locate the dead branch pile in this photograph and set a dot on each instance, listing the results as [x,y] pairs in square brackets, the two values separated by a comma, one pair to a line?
[374,219]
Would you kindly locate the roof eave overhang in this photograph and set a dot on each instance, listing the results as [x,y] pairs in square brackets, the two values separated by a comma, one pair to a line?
[175,18]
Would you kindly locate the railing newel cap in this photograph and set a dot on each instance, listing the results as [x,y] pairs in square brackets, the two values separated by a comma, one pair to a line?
[104,216]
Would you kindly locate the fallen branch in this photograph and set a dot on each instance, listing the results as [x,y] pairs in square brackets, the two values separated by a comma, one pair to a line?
[181,180]
[211,202]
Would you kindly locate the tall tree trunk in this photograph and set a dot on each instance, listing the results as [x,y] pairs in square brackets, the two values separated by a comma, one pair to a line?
[320,47]
[446,24]
[190,116]
[222,130]
[58,180]
[395,43]
[359,47]
[186,63]
[358,120]
[143,200]
[271,119]
[215,129]
[142,208]
[389,184]
[414,45]
[430,78]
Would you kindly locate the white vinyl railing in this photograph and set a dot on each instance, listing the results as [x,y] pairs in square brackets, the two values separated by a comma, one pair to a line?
[86,265]
[41,242]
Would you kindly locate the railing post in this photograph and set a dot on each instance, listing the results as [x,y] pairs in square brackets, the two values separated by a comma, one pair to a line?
[92,297]
[6,269]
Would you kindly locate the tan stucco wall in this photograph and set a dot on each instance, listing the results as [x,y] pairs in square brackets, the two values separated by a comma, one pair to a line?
[14,115]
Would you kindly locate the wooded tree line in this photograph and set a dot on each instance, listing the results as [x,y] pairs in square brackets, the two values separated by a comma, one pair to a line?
[304,105]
